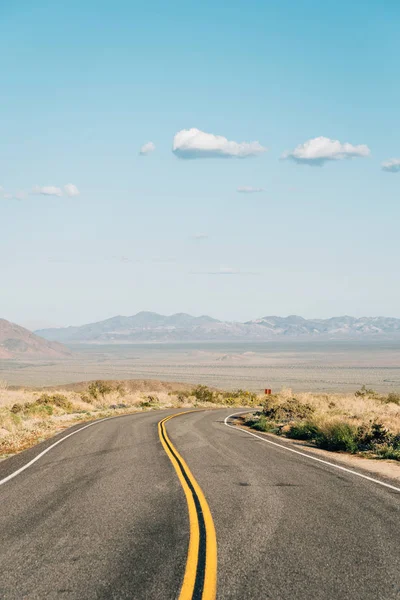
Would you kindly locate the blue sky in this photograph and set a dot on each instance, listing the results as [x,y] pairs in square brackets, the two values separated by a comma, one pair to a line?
[85,85]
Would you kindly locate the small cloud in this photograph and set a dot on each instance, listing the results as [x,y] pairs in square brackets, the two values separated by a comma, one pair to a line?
[71,190]
[246,189]
[147,148]
[47,190]
[193,143]
[391,166]
[20,195]
[321,149]
[200,236]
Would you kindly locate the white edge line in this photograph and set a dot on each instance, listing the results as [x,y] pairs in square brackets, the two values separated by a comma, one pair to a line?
[18,471]
[325,462]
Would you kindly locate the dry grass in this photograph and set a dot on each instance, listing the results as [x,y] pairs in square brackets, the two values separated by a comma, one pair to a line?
[356,410]
[29,416]
[364,422]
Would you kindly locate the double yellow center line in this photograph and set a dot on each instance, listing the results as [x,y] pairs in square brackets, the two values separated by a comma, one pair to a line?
[200,579]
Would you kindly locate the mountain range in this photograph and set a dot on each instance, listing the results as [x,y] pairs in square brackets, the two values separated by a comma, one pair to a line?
[18,342]
[181,327]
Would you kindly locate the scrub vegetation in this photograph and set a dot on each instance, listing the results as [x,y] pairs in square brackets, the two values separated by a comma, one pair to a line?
[364,423]
[28,416]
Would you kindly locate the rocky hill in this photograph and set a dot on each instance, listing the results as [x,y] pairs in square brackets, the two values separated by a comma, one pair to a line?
[181,327]
[18,342]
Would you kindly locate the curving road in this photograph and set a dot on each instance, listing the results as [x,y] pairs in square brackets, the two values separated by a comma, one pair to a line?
[105,514]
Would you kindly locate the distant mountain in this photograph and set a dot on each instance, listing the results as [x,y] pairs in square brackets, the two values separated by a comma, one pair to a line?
[17,342]
[338,327]
[181,327]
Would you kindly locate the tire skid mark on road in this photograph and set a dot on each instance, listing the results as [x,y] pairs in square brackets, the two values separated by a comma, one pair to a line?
[200,578]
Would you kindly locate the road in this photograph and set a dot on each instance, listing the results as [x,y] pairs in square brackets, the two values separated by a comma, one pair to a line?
[104,514]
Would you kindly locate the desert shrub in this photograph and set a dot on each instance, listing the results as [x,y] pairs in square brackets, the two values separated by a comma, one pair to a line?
[203,394]
[181,396]
[150,402]
[388,451]
[250,397]
[251,418]
[58,400]
[369,437]
[182,393]
[230,401]
[240,397]
[337,436]
[120,389]
[365,392]
[262,424]
[288,410]
[99,388]
[303,430]
[17,408]
[393,397]
[86,398]
[35,409]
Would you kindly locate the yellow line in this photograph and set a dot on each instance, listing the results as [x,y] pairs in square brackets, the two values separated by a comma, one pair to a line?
[210,578]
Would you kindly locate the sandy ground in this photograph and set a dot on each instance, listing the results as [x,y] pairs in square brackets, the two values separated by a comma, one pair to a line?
[335,366]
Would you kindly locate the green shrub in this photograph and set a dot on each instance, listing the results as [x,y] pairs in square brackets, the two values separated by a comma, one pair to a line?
[339,436]
[304,430]
[99,388]
[366,392]
[388,451]
[392,397]
[38,409]
[262,424]
[180,396]
[58,400]
[240,397]
[203,394]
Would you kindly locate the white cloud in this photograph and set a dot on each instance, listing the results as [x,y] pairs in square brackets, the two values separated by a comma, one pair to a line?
[246,189]
[19,195]
[71,190]
[321,149]
[147,148]
[47,190]
[391,166]
[193,143]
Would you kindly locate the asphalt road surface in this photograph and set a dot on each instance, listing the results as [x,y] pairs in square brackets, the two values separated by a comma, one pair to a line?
[128,508]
